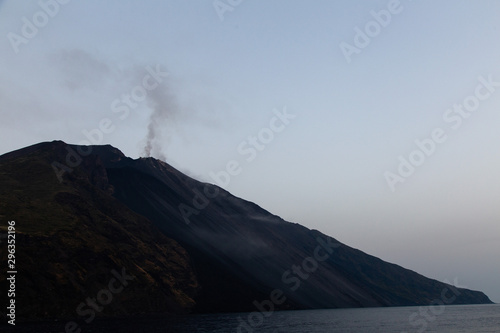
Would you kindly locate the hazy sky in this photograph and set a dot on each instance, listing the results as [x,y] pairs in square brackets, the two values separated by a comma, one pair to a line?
[355,83]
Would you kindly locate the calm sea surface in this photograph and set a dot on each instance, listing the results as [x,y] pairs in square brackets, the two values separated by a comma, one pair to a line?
[456,319]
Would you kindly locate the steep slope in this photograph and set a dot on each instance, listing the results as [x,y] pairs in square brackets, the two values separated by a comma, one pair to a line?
[261,249]
[190,245]
[71,236]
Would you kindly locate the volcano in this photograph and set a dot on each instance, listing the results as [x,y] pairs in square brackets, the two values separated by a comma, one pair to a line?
[86,213]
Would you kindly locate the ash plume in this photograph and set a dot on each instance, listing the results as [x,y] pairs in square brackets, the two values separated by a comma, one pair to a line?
[164,115]
[150,137]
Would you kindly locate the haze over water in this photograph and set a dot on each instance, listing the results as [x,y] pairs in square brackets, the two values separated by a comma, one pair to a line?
[446,319]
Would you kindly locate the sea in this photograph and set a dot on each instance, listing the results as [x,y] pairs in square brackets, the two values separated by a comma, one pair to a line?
[442,319]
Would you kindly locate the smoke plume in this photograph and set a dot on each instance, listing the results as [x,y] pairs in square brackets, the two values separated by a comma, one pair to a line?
[162,119]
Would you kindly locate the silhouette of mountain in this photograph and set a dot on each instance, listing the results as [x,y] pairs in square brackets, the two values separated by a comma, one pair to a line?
[85,214]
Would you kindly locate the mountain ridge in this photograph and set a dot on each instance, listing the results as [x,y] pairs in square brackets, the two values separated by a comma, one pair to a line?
[229,254]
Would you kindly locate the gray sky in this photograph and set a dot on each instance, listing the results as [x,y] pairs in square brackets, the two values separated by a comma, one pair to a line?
[361,81]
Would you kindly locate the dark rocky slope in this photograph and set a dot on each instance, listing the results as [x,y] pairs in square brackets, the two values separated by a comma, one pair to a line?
[70,236]
[111,212]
